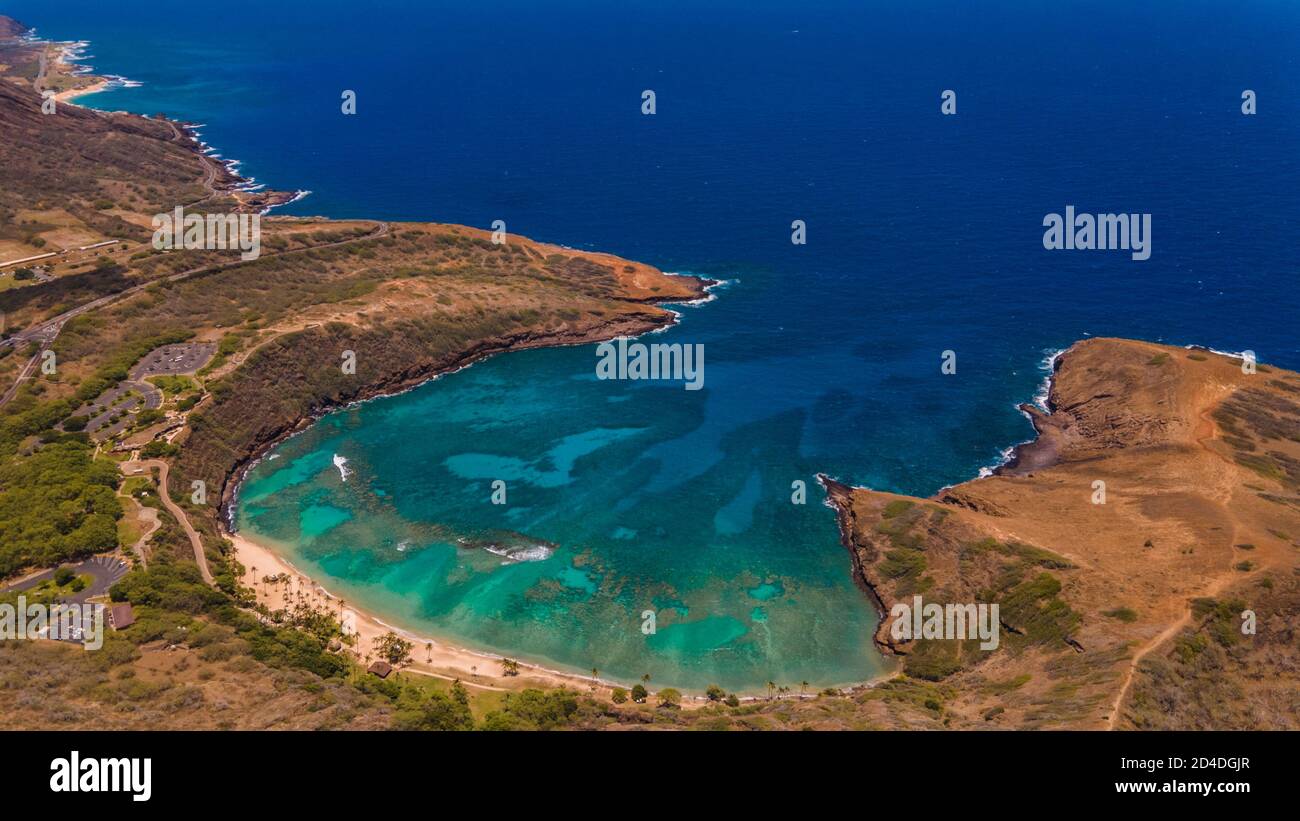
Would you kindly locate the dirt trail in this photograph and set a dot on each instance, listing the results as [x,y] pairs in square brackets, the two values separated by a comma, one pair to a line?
[149,515]
[1169,632]
[1204,434]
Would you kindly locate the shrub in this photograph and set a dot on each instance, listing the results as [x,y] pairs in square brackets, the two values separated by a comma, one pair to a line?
[147,417]
[435,711]
[158,449]
[895,508]
[76,423]
[533,709]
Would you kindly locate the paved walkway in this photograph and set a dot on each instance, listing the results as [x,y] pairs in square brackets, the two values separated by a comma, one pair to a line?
[142,466]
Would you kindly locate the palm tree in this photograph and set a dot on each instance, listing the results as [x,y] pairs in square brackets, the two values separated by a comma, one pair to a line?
[594,675]
[428,648]
[771,685]
[803,685]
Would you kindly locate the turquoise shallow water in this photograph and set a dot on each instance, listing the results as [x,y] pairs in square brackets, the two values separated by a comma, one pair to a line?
[924,235]
[621,498]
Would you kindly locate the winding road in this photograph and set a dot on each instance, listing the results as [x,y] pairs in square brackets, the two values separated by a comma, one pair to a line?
[45,332]
[142,466]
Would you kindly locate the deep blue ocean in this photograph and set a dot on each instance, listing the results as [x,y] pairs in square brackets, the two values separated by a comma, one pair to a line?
[924,234]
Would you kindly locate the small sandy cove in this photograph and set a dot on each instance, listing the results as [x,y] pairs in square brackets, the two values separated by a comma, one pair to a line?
[441,660]
[73,93]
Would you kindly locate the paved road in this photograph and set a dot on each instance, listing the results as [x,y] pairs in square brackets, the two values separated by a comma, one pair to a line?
[45,332]
[195,542]
[210,165]
[103,570]
[43,336]
[39,83]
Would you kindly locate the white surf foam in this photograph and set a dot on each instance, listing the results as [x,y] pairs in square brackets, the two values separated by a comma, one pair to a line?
[342,464]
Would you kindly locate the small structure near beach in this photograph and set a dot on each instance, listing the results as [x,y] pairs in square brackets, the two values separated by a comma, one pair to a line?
[121,616]
[380,668]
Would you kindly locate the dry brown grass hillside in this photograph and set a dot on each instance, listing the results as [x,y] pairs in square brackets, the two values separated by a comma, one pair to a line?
[1201,521]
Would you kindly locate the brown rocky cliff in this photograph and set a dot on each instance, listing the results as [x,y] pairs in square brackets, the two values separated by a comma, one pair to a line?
[1197,458]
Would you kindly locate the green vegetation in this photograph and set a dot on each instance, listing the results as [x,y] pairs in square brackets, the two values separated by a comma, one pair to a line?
[26,415]
[171,593]
[1214,677]
[147,417]
[426,710]
[394,649]
[74,424]
[64,583]
[933,660]
[158,449]
[1034,612]
[1123,614]
[56,505]
[920,694]
[1003,687]
[896,508]
[903,563]
[1028,554]
[534,710]
[173,385]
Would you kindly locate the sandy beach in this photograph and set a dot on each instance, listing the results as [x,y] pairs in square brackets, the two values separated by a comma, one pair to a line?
[73,93]
[429,656]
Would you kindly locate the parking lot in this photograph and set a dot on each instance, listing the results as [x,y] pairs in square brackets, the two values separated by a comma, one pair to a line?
[181,358]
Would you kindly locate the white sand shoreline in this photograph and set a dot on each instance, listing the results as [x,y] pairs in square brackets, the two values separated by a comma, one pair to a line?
[429,656]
